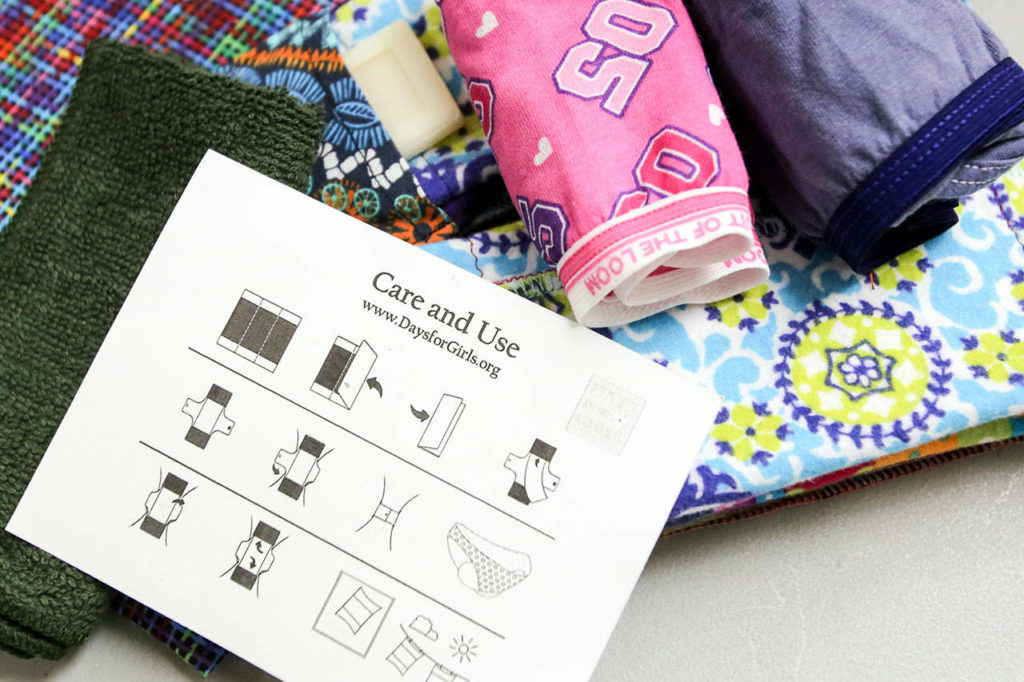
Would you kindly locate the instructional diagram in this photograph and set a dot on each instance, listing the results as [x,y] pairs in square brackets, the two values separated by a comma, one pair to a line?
[605,415]
[353,614]
[208,416]
[344,371]
[483,566]
[386,514]
[411,658]
[463,649]
[441,425]
[163,506]
[255,556]
[259,330]
[313,467]
[533,476]
[297,469]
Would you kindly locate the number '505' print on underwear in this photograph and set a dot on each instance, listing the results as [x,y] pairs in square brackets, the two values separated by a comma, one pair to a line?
[612,62]
[547,225]
[481,94]
[673,162]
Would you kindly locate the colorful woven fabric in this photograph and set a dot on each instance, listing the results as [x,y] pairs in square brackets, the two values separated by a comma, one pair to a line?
[358,169]
[826,374]
[197,651]
[70,256]
[41,46]
[462,160]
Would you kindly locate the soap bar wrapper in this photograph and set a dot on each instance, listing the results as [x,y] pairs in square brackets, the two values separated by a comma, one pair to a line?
[613,143]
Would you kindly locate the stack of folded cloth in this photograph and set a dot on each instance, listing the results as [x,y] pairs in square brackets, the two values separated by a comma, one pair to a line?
[313,72]
[863,122]
[832,380]
[613,143]
[865,125]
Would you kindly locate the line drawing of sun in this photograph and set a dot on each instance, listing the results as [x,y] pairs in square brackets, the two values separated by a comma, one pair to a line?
[463,649]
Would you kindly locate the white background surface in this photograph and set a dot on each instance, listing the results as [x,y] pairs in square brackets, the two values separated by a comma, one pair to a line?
[922,578]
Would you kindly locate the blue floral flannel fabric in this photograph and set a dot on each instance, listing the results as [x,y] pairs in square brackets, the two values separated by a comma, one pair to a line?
[822,370]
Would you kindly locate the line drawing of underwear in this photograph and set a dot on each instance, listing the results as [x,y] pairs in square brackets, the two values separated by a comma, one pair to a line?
[344,371]
[163,506]
[387,514]
[298,468]
[259,330]
[485,567]
[209,416]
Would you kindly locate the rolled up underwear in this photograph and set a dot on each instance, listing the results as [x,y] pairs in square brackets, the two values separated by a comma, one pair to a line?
[864,121]
[612,141]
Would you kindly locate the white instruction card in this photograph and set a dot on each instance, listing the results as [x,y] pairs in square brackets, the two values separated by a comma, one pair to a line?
[342,458]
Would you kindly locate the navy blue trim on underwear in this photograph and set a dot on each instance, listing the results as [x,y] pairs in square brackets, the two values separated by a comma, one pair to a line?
[862,230]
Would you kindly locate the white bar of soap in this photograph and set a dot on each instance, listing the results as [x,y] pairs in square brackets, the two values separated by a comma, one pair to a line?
[403,87]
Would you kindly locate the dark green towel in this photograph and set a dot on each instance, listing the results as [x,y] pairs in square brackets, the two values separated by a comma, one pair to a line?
[137,126]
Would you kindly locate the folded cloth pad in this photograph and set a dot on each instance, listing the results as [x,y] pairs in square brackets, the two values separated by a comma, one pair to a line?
[829,377]
[41,46]
[613,143]
[136,128]
[864,120]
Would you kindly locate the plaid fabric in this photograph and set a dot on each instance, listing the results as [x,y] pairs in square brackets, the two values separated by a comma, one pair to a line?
[41,46]
[197,651]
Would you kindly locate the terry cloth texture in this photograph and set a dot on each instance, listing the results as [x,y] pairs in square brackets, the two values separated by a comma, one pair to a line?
[137,126]
[358,170]
[41,46]
[613,143]
[459,163]
[830,377]
[864,121]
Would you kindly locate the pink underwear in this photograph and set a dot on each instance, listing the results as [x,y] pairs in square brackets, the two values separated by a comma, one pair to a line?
[613,143]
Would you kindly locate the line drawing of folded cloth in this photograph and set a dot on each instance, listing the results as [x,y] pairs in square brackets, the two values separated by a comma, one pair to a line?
[208,416]
[164,506]
[442,424]
[533,476]
[259,330]
[344,371]
[297,469]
